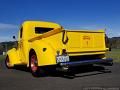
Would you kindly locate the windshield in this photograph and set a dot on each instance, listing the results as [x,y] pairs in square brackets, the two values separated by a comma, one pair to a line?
[41,30]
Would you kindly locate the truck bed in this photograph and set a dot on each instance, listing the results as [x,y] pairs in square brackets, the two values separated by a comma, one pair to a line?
[78,42]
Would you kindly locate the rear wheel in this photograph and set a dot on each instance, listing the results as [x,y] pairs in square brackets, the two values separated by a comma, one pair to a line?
[33,64]
[7,62]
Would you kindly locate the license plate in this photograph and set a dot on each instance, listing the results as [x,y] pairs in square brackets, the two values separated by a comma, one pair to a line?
[62,59]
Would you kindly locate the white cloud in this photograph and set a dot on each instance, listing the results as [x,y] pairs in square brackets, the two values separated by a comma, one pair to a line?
[4,26]
[7,31]
[118,34]
[5,38]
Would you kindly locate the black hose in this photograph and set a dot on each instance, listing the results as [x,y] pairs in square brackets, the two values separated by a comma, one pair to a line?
[64,41]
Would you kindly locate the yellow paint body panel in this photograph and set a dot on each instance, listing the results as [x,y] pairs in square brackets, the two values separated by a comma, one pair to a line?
[80,42]
[13,56]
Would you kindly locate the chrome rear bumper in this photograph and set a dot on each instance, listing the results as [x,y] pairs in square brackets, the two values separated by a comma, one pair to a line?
[108,62]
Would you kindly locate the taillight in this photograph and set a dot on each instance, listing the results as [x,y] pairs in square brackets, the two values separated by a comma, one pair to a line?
[64,52]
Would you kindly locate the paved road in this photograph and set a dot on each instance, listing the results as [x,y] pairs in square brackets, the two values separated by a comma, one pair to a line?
[16,79]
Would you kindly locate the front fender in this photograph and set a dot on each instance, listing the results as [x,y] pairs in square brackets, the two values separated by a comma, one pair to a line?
[45,53]
[13,57]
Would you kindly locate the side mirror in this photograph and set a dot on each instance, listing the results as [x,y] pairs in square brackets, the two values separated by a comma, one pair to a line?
[15,42]
[14,37]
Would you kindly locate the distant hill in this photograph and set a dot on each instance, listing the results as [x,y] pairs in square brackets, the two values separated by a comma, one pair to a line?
[114,42]
[4,46]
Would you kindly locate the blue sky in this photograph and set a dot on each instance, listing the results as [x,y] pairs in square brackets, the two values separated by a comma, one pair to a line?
[71,14]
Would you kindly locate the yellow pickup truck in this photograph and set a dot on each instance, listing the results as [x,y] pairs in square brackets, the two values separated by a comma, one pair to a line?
[49,44]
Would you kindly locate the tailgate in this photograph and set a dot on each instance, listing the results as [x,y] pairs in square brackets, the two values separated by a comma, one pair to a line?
[80,42]
[85,41]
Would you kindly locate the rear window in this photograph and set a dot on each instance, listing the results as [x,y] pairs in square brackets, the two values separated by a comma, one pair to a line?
[40,30]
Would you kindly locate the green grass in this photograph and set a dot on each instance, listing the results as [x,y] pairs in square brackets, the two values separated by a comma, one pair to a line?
[115,54]
[2,57]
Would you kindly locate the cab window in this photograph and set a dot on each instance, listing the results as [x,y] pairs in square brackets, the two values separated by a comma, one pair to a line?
[41,30]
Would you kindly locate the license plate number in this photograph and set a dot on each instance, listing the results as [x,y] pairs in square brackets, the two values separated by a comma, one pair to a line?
[62,59]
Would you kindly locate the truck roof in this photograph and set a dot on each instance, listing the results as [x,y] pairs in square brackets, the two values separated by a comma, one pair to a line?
[41,24]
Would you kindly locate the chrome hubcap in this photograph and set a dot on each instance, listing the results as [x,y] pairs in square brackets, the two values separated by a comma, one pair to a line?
[34,63]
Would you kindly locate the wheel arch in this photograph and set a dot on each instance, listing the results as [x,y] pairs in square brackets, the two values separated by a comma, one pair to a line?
[44,52]
[13,57]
